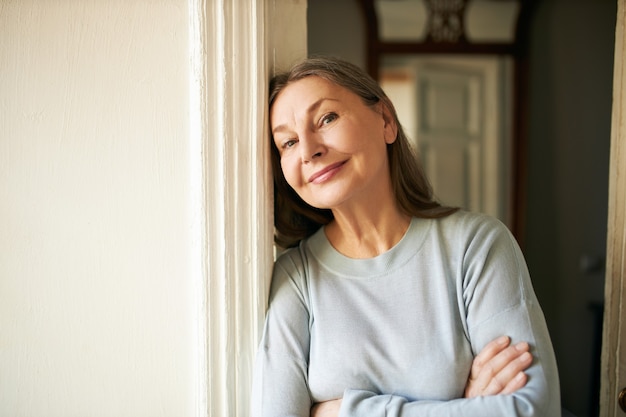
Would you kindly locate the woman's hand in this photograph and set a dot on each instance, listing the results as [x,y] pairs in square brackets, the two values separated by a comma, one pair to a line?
[499,369]
[326,409]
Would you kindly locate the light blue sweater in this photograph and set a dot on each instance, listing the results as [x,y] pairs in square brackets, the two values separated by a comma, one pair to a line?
[395,335]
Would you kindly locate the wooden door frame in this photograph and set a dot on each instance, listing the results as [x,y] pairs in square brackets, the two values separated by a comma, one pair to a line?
[613,373]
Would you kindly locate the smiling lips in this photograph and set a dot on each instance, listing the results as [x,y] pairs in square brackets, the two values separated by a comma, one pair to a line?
[326,173]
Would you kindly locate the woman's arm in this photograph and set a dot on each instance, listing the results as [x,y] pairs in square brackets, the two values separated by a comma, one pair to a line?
[497,370]
[499,299]
[279,386]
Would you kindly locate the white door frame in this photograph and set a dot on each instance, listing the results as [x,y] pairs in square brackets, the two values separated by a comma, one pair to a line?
[235,46]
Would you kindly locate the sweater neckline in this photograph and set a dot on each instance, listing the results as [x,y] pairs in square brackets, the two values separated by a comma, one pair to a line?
[326,255]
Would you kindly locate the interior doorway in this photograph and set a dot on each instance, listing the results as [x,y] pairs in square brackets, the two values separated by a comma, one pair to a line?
[457,110]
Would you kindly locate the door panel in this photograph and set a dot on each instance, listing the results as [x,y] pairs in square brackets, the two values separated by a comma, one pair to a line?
[450,133]
[457,111]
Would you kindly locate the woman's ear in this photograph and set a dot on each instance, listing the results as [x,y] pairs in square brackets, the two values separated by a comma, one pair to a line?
[391,127]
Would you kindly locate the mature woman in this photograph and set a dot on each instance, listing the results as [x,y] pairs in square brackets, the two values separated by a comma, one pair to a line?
[385,297]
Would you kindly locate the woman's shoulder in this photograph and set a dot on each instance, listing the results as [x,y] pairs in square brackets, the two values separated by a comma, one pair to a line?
[464,218]
[295,258]
[471,225]
[290,258]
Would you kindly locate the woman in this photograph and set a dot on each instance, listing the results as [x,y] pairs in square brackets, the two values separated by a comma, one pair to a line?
[386,297]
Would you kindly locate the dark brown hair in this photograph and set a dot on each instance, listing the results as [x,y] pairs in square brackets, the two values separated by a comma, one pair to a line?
[294,219]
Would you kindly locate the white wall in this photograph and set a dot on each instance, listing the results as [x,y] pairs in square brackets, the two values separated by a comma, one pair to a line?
[97,279]
[135,202]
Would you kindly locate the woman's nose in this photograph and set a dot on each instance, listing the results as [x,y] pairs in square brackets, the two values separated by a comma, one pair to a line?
[311,148]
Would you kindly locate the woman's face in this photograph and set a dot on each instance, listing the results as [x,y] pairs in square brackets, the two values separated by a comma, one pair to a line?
[332,145]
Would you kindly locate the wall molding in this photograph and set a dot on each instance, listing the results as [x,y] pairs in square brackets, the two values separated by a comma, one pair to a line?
[234,48]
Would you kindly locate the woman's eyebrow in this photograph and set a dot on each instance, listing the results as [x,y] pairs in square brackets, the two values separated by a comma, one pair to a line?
[311,109]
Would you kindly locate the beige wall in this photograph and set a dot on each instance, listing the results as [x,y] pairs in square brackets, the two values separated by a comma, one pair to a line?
[135,202]
[97,287]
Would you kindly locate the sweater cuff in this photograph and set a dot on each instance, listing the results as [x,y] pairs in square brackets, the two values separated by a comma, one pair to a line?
[361,403]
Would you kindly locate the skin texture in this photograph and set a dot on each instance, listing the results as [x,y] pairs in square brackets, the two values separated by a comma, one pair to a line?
[333,154]
[332,146]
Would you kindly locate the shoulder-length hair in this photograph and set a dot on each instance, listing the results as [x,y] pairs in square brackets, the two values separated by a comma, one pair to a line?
[294,219]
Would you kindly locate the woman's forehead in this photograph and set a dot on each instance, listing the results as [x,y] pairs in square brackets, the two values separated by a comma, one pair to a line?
[309,86]
[302,94]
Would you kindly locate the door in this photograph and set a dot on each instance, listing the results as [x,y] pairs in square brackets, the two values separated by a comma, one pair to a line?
[613,379]
[457,111]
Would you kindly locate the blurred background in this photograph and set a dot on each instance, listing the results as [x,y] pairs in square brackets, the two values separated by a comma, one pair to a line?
[560,204]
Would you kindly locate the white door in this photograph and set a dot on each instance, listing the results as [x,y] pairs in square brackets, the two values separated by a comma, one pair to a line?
[457,110]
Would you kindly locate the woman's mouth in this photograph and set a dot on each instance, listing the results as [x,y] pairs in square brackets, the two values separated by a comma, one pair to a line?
[326,173]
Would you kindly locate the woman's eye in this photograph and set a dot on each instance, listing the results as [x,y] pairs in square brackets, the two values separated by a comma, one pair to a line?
[289,143]
[330,117]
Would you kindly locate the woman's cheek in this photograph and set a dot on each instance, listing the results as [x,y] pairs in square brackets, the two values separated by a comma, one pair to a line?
[289,170]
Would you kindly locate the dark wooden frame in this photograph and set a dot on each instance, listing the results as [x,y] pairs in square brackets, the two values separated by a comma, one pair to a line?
[517,50]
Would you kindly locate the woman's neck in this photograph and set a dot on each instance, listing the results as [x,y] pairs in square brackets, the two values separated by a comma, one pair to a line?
[368,233]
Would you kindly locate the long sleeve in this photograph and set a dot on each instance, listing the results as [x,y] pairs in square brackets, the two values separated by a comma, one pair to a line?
[395,335]
[498,299]
[280,377]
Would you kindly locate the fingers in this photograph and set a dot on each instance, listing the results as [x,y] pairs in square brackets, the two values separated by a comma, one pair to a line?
[507,369]
[489,351]
[479,380]
[516,383]
[498,369]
